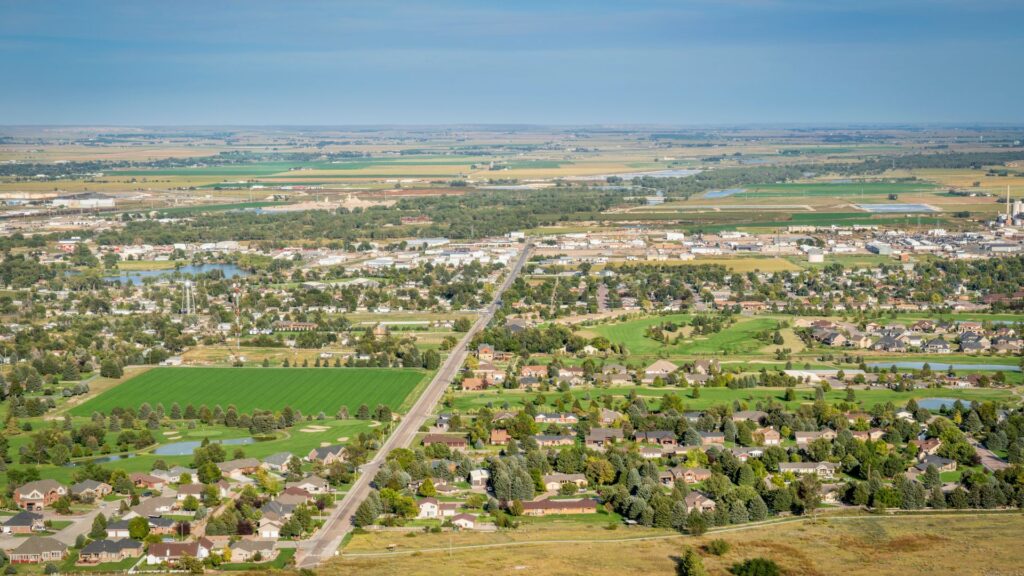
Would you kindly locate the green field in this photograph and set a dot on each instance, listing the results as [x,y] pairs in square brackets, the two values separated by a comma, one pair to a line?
[841,189]
[735,339]
[307,389]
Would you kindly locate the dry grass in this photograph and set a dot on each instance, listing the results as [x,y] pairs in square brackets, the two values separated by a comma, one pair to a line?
[907,546]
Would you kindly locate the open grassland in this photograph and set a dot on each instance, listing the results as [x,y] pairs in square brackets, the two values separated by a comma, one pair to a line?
[970,544]
[307,389]
[735,339]
[709,397]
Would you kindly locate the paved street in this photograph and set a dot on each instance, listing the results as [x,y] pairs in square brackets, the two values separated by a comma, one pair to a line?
[324,544]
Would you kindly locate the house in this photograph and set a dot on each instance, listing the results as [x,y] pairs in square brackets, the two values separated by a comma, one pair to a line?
[555,481]
[556,418]
[608,417]
[39,494]
[823,470]
[927,447]
[660,437]
[713,438]
[147,481]
[548,507]
[239,467]
[499,437]
[278,462]
[478,478]
[99,551]
[451,441]
[277,510]
[429,508]
[327,455]
[706,367]
[155,507]
[173,475]
[270,528]
[699,502]
[464,521]
[294,496]
[551,440]
[252,550]
[941,464]
[117,529]
[186,490]
[599,438]
[659,369]
[805,438]
[90,490]
[533,371]
[170,552]
[874,434]
[161,526]
[755,416]
[938,346]
[485,353]
[473,384]
[690,475]
[24,522]
[769,436]
[744,453]
[312,484]
[36,549]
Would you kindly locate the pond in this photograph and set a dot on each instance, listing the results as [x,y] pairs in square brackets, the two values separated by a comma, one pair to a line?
[938,403]
[137,276]
[100,460]
[722,193]
[941,367]
[186,448]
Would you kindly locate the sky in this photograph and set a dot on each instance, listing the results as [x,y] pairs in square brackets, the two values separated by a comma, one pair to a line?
[683,62]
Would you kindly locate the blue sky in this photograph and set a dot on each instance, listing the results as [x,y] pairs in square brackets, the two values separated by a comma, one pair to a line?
[691,62]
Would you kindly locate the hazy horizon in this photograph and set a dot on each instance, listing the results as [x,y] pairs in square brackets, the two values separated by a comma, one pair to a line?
[687,64]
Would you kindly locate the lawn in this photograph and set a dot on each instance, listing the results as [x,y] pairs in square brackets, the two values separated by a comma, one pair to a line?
[735,339]
[284,557]
[310,390]
[857,546]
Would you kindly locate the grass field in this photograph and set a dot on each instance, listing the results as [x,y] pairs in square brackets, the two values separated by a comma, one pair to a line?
[736,339]
[978,544]
[307,389]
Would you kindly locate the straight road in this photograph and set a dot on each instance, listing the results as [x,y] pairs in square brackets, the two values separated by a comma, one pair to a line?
[325,543]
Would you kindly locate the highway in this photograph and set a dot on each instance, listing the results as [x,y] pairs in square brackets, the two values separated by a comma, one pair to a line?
[325,543]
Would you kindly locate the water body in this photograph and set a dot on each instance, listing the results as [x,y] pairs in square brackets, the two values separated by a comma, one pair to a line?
[940,367]
[186,448]
[722,193]
[938,403]
[137,276]
[673,173]
[100,460]
[896,208]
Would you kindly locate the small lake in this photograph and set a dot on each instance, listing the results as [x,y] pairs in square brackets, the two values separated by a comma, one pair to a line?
[722,193]
[186,448]
[940,367]
[137,276]
[938,403]
[100,460]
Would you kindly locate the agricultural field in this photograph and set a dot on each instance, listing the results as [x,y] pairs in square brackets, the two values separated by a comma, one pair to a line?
[307,389]
[855,545]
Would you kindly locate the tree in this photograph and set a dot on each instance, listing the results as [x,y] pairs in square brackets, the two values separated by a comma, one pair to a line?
[756,567]
[427,489]
[691,564]
[696,524]
[62,505]
[99,527]
[367,513]
[138,528]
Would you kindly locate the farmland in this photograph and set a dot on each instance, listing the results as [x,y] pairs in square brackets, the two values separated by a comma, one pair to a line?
[307,389]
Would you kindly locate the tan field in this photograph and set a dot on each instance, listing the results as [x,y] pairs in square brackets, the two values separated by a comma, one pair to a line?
[865,545]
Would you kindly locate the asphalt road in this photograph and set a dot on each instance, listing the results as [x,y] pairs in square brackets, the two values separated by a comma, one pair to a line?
[325,543]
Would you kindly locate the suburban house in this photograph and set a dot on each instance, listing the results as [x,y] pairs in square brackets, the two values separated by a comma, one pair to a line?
[118,529]
[755,416]
[713,438]
[690,475]
[499,437]
[39,494]
[452,442]
[147,481]
[154,507]
[170,552]
[699,502]
[464,521]
[824,470]
[485,353]
[270,528]
[38,549]
[533,371]
[660,437]
[252,550]
[556,480]
[548,507]
[550,440]
[473,384]
[598,438]
[90,490]
[327,455]
[24,522]
[312,484]
[99,551]
[659,369]
[768,436]
[478,478]
[277,462]
[239,467]
[805,438]
[941,464]
[556,418]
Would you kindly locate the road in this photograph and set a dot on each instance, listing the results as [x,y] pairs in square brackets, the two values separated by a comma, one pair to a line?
[325,543]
